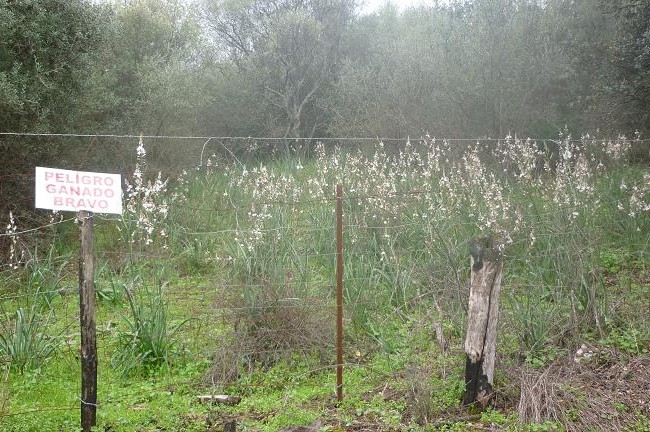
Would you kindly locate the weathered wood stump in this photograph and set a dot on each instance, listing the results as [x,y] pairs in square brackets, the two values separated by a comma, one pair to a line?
[482,317]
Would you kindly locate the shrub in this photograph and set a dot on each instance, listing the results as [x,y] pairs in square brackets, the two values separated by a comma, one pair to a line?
[270,324]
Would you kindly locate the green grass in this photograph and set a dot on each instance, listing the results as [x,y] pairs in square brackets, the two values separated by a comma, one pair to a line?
[26,345]
[242,250]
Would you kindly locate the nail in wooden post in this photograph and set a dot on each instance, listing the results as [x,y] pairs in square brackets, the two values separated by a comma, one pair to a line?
[87,320]
[339,293]
[482,316]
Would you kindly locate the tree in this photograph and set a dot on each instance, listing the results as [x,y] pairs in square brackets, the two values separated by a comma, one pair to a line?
[45,55]
[147,77]
[631,57]
[289,49]
[454,69]
[388,78]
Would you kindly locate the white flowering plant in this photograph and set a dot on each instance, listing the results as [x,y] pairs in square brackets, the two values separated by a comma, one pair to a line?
[16,251]
[265,224]
[147,206]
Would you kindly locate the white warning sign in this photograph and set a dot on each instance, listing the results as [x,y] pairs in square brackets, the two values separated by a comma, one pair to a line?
[58,189]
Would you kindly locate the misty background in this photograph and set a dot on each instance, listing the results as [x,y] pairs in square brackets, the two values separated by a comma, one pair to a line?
[308,68]
[311,68]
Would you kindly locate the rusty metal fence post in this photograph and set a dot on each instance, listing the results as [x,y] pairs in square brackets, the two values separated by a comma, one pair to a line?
[339,292]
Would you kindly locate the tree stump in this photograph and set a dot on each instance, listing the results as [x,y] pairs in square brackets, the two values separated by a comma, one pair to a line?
[482,317]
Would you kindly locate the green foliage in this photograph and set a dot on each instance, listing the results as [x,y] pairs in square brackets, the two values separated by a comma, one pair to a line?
[114,290]
[629,340]
[418,61]
[430,395]
[631,58]
[148,343]
[195,259]
[44,56]
[26,340]
[641,425]
[24,343]
[141,80]
[547,426]
[141,403]
[257,261]
[613,260]
[538,320]
[45,276]
[296,48]
[493,417]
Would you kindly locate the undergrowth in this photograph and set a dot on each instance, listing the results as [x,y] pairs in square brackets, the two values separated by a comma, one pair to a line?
[224,277]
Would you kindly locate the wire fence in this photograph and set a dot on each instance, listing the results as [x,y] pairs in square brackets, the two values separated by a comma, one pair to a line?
[251,290]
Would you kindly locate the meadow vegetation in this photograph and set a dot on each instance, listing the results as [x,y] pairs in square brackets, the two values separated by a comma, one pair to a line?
[221,281]
[219,276]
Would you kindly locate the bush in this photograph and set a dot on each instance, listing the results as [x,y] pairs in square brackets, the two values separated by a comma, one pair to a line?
[270,324]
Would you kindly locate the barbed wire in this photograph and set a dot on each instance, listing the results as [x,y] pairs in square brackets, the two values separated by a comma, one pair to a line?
[19,233]
[282,139]
[296,301]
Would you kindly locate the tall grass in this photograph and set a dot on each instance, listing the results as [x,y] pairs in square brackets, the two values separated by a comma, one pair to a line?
[24,342]
[254,222]
[148,341]
[410,211]
[27,338]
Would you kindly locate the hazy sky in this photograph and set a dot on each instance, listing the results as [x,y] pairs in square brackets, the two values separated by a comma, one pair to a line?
[374,5]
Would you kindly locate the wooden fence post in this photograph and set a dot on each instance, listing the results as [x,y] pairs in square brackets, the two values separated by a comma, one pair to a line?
[87,321]
[482,317]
